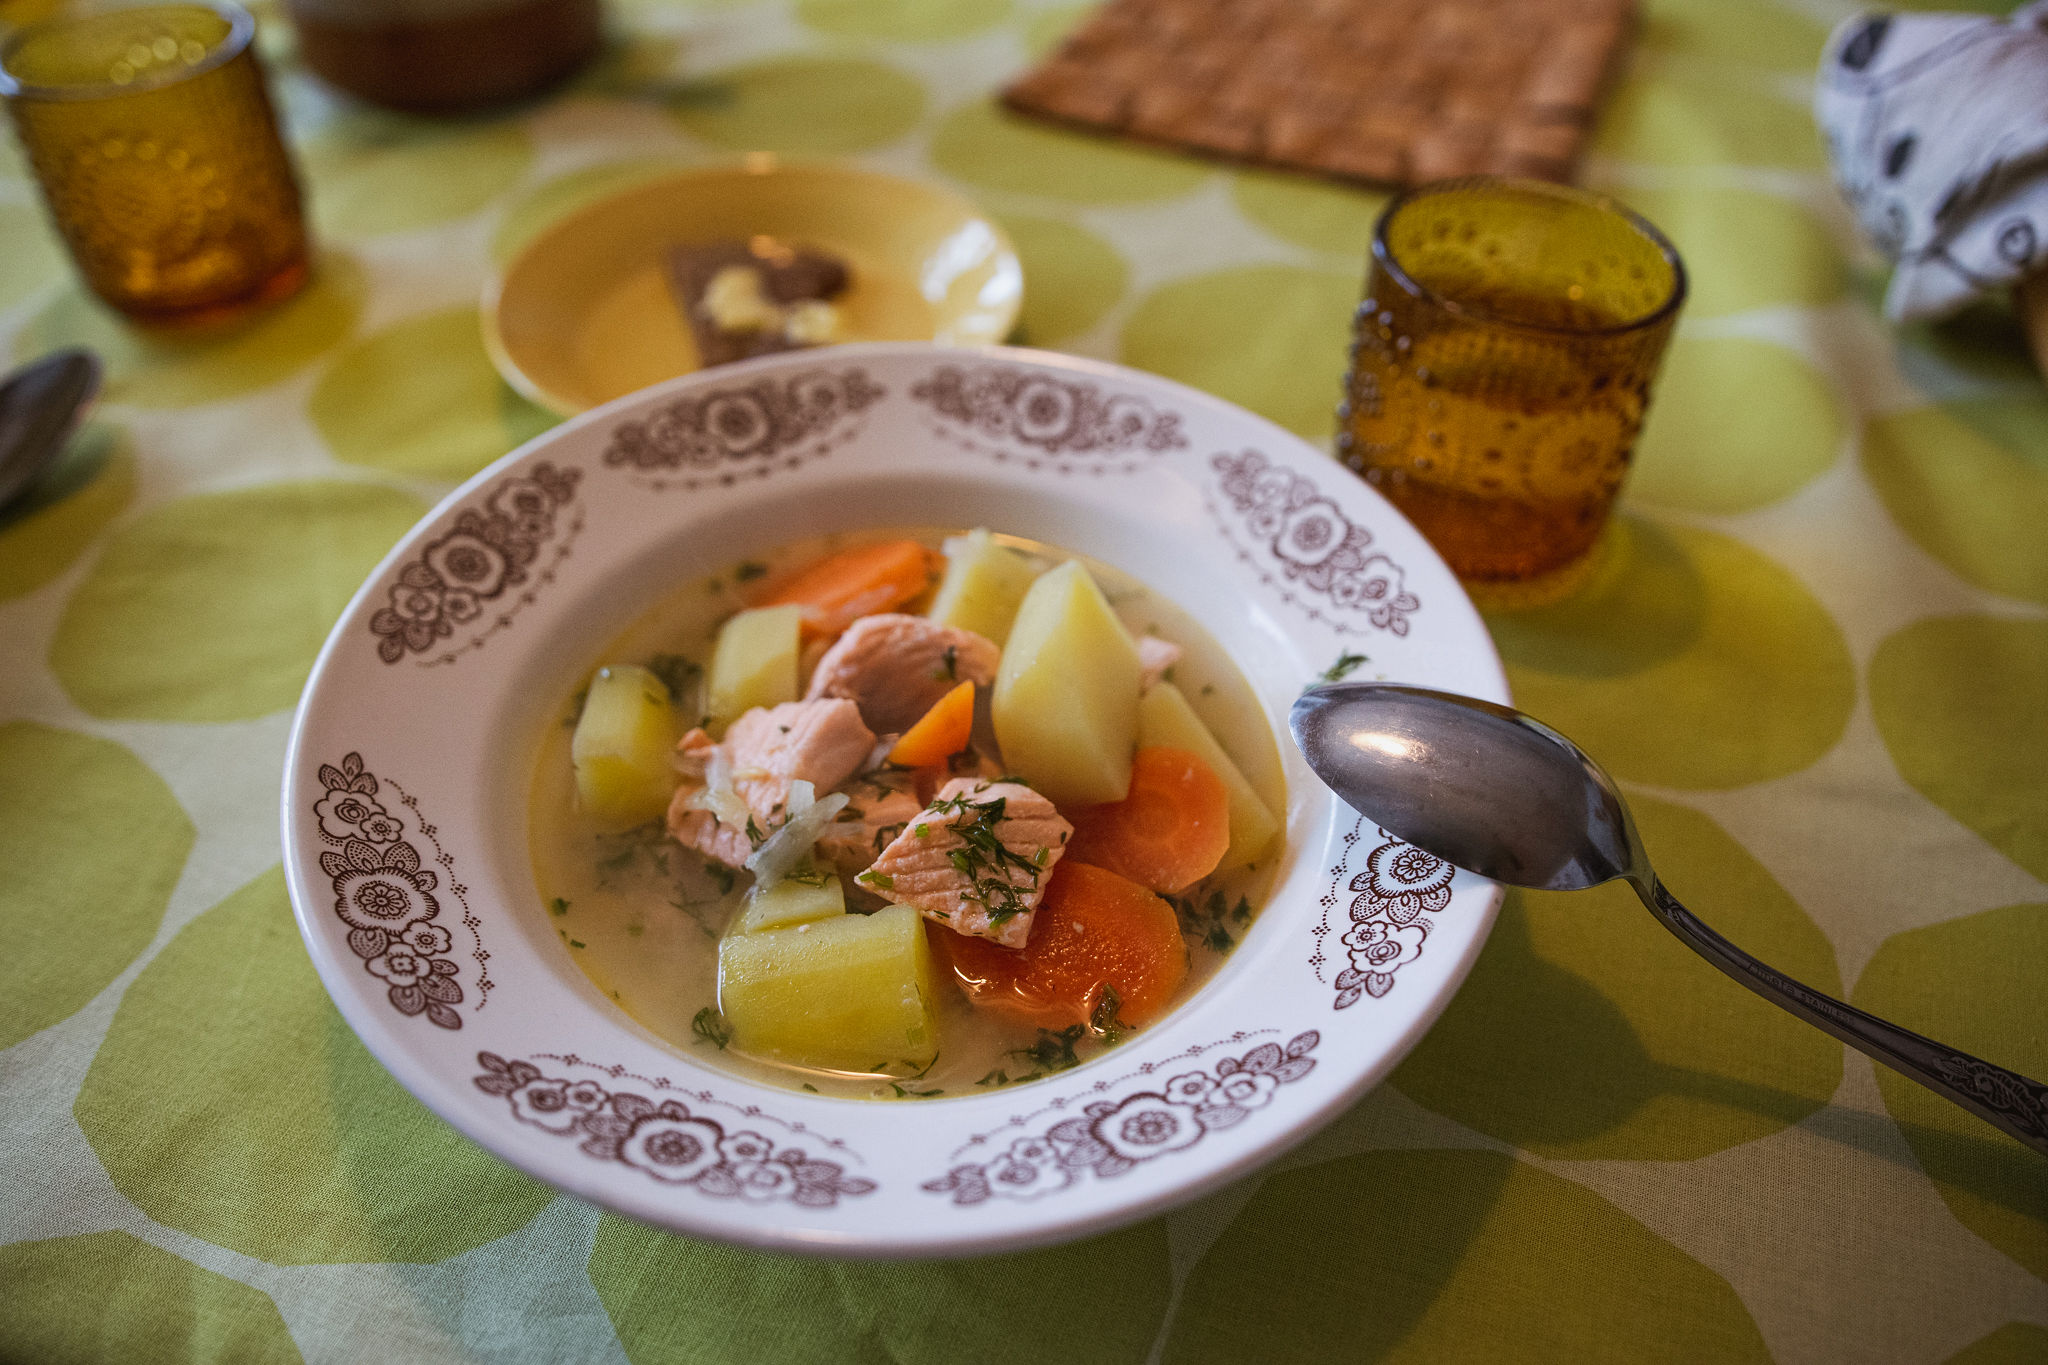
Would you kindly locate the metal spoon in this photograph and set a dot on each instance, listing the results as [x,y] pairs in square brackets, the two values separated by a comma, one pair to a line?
[1498,793]
[39,406]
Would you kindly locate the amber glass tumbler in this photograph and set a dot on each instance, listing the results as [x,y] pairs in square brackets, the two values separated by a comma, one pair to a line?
[159,157]
[1501,367]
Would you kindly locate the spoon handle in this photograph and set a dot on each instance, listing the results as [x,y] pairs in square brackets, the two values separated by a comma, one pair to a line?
[2004,1099]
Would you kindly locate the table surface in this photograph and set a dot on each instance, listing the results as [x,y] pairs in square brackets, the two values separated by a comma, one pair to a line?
[1816,657]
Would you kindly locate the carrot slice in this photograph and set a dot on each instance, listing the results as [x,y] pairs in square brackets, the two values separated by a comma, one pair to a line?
[1168,833]
[940,733]
[1094,931]
[840,589]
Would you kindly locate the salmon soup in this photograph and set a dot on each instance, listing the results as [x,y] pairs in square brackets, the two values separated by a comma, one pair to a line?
[906,814]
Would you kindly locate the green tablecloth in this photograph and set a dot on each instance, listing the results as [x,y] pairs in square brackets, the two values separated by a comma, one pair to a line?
[1818,658]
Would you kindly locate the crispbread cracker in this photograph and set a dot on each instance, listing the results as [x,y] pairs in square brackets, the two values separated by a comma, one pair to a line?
[1392,92]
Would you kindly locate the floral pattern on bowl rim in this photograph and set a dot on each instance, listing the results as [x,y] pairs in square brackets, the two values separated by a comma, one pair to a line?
[1010,411]
[1300,537]
[386,897]
[745,430]
[664,1140]
[1111,1137]
[491,548]
[1392,886]
[1181,518]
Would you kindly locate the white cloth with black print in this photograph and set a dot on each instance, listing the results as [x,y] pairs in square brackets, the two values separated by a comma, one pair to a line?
[1937,125]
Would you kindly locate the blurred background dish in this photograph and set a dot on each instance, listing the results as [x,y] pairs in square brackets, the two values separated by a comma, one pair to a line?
[585,313]
[445,56]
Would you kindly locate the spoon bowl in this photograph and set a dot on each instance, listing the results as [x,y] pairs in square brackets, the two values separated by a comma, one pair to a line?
[1499,793]
[40,405]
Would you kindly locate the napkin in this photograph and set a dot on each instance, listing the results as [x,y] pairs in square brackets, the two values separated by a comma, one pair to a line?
[1937,127]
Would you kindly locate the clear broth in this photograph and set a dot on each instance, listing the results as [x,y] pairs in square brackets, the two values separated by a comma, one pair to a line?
[640,915]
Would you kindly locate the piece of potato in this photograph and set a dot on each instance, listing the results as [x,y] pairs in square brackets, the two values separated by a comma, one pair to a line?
[793,900]
[842,993]
[754,663]
[984,585]
[622,746]
[1165,719]
[1065,704]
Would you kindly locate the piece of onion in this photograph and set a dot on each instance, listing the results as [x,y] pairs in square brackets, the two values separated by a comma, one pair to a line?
[720,796]
[789,845]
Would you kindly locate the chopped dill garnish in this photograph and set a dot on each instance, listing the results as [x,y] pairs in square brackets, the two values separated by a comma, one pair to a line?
[881,881]
[747,570]
[710,1027]
[886,835]
[1105,1021]
[636,928]
[949,666]
[998,1077]
[694,909]
[1053,1051]
[576,943]
[754,834]
[917,1073]
[618,853]
[1203,918]
[559,906]
[985,860]
[812,1088]
[1347,664]
[677,673]
[903,1093]
[721,874]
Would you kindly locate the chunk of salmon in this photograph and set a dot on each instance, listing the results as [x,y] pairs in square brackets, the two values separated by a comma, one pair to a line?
[1155,656]
[768,748]
[894,667]
[703,831]
[822,742]
[878,808]
[693,752]
[813,650]
[976,859]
